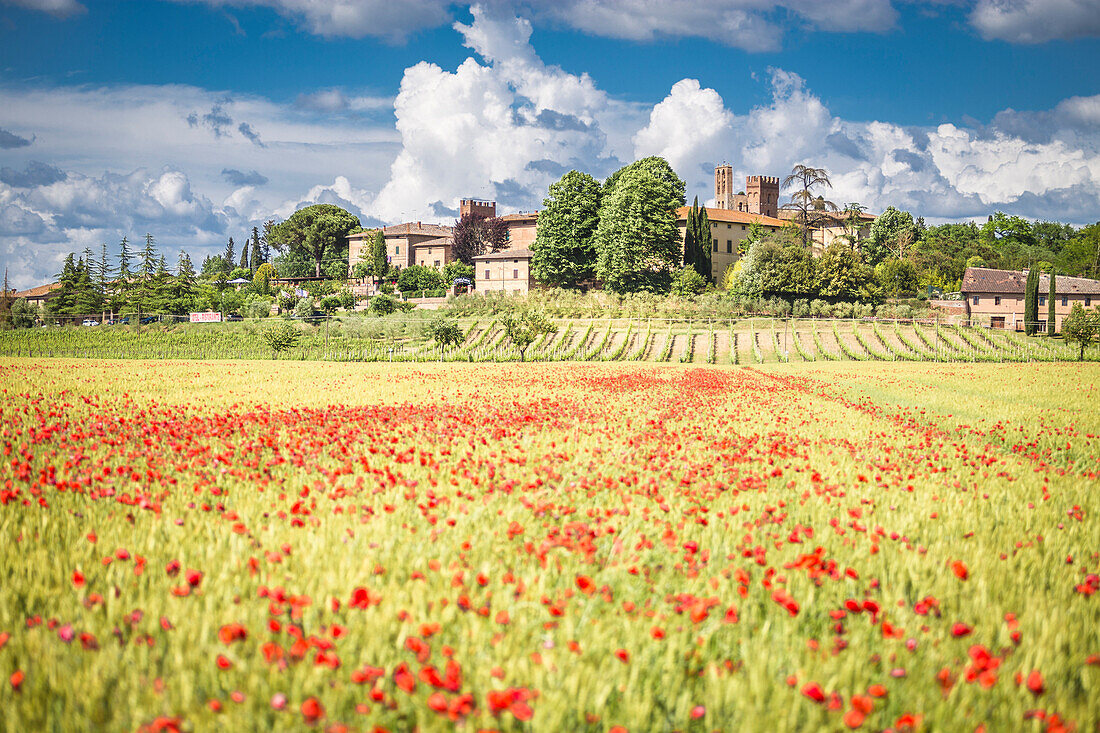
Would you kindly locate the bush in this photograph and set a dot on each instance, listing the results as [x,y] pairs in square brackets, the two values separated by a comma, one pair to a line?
[304,308]
[687,282]
[257,309]
[801,308]
[418,277]
[383,305]
[445,332]
[819,308]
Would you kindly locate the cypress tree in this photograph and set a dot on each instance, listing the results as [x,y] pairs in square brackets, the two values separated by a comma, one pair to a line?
[229,255]
[244,256]
[690,230]
[702,241]
[1051,319]
[256,259]
[1031,302]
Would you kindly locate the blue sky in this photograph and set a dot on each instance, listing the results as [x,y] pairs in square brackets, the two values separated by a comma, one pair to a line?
[197,119]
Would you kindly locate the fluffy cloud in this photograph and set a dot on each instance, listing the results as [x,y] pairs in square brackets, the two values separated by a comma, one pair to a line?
[35,174]
[1036,21]
[56,8]
[474,132]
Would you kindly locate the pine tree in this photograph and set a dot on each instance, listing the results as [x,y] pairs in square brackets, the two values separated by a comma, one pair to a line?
[1051,316]
[125,256]
[1031,302]
[64,302]
[256,259]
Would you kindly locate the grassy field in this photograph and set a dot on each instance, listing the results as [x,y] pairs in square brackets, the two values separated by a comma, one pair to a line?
[246,545]
[401,338]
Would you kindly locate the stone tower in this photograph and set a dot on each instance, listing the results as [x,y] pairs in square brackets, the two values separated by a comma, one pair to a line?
[763,195]
[723,187]
[488,209]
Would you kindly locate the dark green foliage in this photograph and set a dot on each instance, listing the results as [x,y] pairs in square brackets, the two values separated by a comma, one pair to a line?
[383,305]
[23,314]
[1031,302]
[281,337]
[1081,326]
[687,282]
[697,240]
[318,232]
[454,270]
[445,332]
[637,241]
[777,264]
[892,235]
[563,253]
[524,327]
[419,277]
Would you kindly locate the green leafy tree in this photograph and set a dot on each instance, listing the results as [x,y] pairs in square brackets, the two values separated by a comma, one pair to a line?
[811,209]
[23,314]
[687,282]
[1031,302]
[637,240]
[897,277]
[1081,327]
[317,232]
[524,327]
[776,265]
[280,338]
[454,270]
[419,277]
[383,305]
[892,233]
[843,275]
[564,253]
[445,332]
[261,281]
[657,167]
[853,222]
[697,240]
[1080,256]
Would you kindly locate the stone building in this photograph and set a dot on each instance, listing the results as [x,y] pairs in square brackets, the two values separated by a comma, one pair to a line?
[727,230]
[412,243]
[508,271]
[995,298]
[760,195]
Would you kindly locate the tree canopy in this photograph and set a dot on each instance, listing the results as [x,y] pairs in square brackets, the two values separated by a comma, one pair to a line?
[637,241]
[564,252]
[475,235]
[317,232]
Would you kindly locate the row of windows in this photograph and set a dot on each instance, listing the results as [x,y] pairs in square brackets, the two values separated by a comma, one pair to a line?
[515,275]
[729,226]
[997,299]
[729,246]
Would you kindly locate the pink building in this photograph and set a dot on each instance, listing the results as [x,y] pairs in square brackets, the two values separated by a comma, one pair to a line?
[995,298]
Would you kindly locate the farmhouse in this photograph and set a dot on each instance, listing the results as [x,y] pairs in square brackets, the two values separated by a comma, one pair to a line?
[728,228]
[995,298]
[506,271]
[39,295]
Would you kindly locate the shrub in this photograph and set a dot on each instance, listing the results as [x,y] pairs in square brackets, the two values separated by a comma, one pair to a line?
[383,305]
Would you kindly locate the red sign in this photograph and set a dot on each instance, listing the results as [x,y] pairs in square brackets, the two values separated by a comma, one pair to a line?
[206,318]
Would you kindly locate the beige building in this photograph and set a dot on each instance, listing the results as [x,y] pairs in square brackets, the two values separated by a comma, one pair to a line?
[508,270]
[403,241]
[727,230]
[995,298]
[521,229]
[37,296]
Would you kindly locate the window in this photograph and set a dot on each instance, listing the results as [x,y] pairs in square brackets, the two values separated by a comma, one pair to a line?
[1065,300]
[742,227]
[397,250]
[729,226]
[1088,301]
[976,299]
[437,263]
[997,300]
[486,274]
[729,246]
[1042,300]
[716,245]
[515,274]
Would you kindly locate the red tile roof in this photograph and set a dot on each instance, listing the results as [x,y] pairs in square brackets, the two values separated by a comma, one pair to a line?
[506,254]
[731,216]
[38,292]
[415,227]
[986,280]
